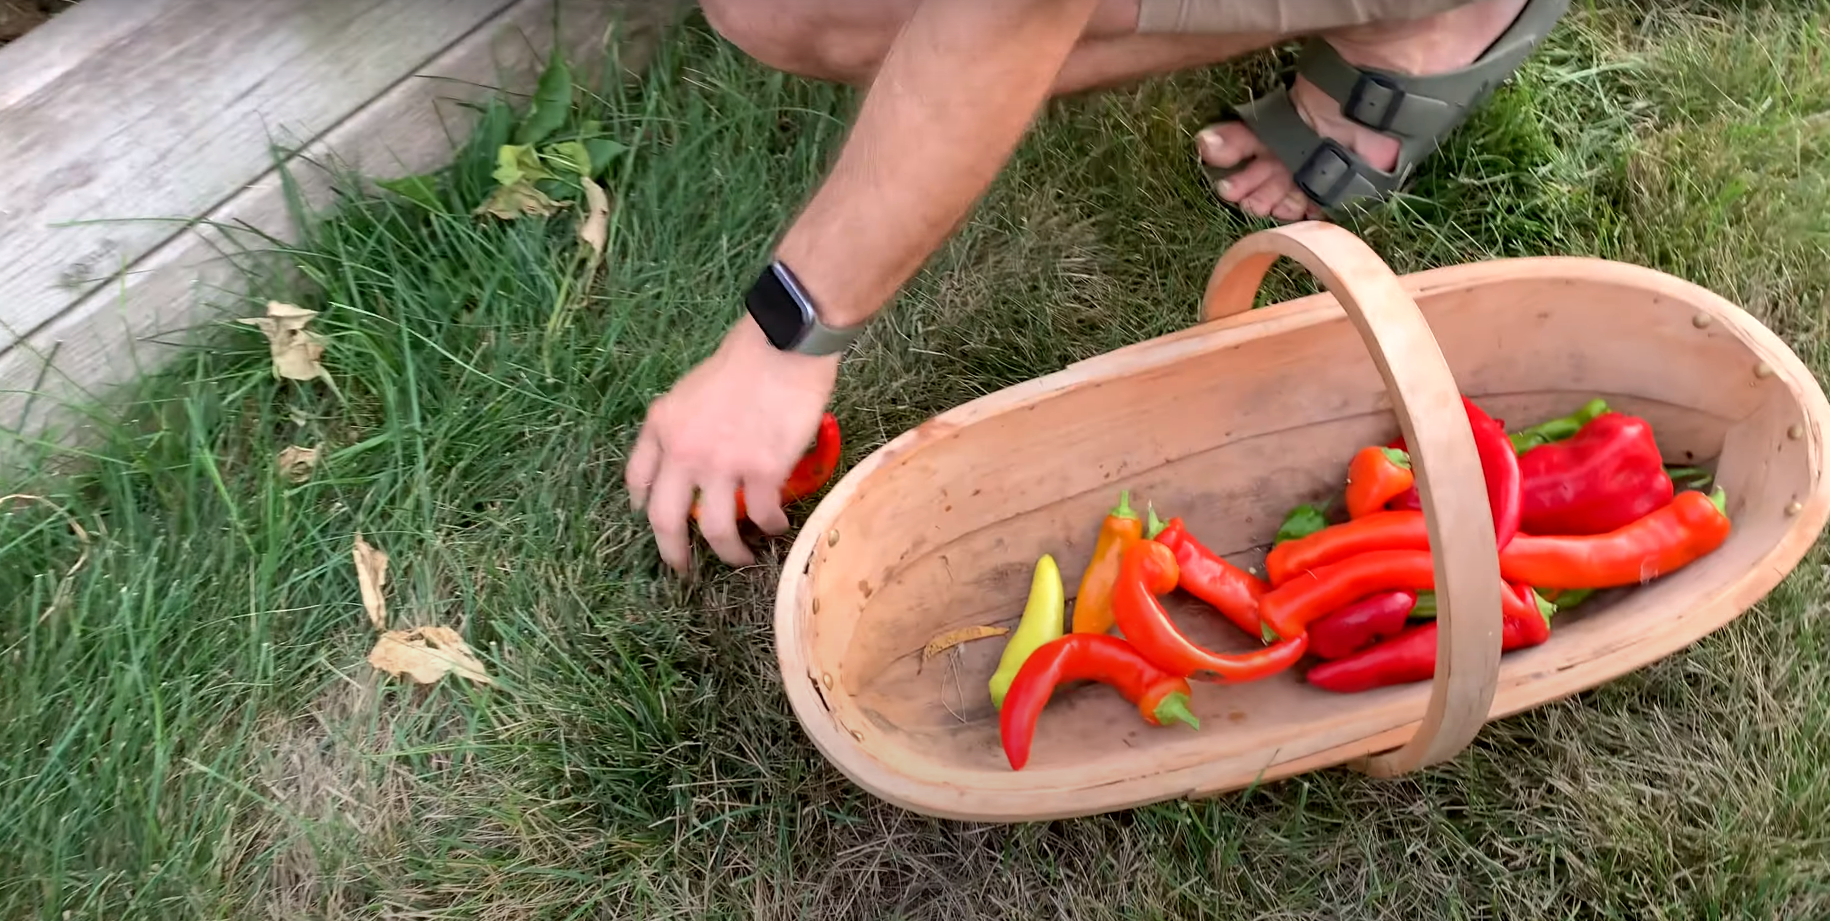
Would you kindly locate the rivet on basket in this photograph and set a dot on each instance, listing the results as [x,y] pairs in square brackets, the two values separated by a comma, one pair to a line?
[832,537]
[826,679]
[1793,508]
[858,734]
[815,605]
[1795,431]
[1763,370]
[1701,320]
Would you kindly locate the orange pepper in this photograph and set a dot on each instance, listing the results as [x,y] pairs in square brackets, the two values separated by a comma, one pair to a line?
[1093,601]
[1375,476]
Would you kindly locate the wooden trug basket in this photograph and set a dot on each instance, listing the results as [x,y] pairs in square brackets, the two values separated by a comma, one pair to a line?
[1231,423]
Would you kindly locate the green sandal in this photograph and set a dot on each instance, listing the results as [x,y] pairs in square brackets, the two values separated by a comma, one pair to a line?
[1416,110]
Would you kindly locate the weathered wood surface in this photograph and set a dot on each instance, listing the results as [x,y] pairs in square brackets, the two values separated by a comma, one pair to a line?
[140,115]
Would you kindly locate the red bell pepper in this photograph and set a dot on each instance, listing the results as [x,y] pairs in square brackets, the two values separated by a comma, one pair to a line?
[1361,624]
[1149,569]
[1204,574]
[1608,475]
[812,472]
[1411,656]
[1691,526]
[1160,697]
[1374,476]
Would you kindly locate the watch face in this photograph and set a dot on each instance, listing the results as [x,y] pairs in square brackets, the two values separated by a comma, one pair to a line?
[780,314]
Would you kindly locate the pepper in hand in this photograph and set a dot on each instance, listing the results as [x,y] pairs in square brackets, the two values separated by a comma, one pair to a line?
[1161,698]
[1608,475]
[812,472]
[1411,655]
[1093,602]
[1204,574]
[1691,526]
[1149,570]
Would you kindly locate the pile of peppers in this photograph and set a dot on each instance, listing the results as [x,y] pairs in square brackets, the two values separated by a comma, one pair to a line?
[1580,503]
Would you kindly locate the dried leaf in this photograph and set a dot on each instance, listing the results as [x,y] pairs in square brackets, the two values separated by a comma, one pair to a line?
[372,577]
[953,638]
[295,349]
[595,230]
[516,199]
[426,654]
[297,463]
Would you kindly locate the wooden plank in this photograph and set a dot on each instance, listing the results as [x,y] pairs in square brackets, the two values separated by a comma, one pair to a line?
[116,332]
[148,111]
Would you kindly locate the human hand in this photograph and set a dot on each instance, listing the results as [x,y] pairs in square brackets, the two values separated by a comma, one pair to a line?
[741,418]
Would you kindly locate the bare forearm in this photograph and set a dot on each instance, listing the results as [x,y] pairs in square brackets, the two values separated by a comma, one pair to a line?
[953,98]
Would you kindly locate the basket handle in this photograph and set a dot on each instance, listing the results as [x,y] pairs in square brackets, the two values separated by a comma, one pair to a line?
[1448,469]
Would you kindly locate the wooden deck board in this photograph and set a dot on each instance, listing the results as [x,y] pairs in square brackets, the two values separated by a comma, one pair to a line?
[82,344]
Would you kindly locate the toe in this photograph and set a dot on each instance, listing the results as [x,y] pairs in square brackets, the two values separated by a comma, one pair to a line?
[1227,144]
[1293,207]
[1249,180]
[1270,194]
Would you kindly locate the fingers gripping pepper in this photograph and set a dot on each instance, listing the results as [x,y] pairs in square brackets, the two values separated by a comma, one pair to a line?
[1691,526]
[1042,621]
[1377,531]
[1149,570]
[1161,697]
[1202,573]
[1411,656]
[812,472]
[1361,624]
[1375,476]
[1093,601]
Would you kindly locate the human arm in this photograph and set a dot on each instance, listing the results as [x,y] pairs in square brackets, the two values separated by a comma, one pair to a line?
[959,87]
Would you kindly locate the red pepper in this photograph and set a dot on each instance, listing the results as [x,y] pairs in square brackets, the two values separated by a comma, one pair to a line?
[1608,475]
[1290,608]
[1692,525]
[1202,573]
[1149,569]
[1411,656]
[1160,697]
[1374,476]
[1499,467]
[1361,624]
[811,473]
[1377,531]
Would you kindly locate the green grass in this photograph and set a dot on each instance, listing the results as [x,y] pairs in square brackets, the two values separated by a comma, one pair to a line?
[188,729]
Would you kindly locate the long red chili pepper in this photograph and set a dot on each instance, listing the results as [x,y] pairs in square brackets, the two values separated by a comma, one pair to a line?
[1361,624]
[811,473]
[1607,476]
[1411,655]
[1377,531]
[1290,608]
[1161,697]
[1374,477]
[1204,574]
[1691,526]
[1149,569]
[1499,468]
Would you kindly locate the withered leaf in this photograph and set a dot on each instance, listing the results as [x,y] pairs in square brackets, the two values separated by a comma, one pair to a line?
[426,654]
[372,577]
[516,199]
[953,638]
[595,230]
[295,349]
[297,463]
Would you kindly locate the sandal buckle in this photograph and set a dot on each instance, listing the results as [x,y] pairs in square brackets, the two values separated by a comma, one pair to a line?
[1388,99]
[1305,174]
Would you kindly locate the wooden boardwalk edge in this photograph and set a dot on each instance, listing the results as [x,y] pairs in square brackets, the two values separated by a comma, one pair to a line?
[132,324]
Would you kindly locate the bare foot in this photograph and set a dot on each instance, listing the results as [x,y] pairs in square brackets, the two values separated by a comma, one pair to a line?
[1437,44]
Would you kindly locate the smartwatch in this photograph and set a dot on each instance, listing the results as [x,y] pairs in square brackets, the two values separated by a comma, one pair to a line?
[779,305]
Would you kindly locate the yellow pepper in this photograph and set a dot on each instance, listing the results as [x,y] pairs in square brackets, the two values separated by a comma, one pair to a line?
[1044,619]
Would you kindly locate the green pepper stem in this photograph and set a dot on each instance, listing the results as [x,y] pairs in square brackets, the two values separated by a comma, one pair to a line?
[1397,458]
[1123,509]
[1545,608]
[1719,497]
[1264,631]
[1174,708]
[1153,525]
[1425,606]
[1559,428]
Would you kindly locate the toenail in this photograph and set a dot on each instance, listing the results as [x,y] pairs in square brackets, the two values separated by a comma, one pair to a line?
[1223,187]
[1210,140]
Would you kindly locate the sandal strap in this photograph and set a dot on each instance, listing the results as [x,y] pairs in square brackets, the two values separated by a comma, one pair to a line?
[1323,169]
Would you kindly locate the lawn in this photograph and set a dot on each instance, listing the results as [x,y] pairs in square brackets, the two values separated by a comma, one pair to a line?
[188,728]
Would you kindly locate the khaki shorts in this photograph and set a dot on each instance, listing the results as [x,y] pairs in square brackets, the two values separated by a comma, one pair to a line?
[1283,17]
